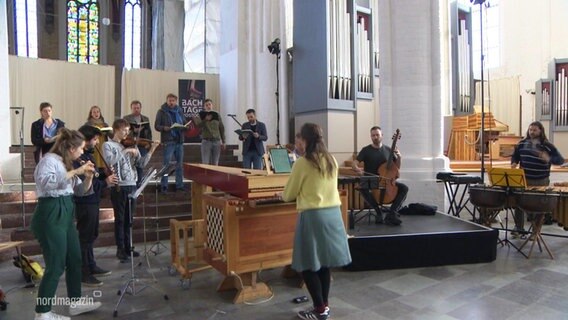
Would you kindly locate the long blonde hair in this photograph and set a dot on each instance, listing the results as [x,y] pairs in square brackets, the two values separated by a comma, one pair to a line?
[312,134]
[66,140]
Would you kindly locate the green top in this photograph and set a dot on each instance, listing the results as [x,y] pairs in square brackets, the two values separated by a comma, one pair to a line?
[309,188]
[211,130]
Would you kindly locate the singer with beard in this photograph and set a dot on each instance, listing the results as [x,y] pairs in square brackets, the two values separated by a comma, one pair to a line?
[535,154]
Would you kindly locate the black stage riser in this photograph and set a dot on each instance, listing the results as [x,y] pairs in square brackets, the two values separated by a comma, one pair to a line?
[423,249]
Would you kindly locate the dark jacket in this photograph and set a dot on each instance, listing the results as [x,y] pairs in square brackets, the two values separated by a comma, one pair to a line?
[98,183]
[37,138]
[146,132]
[263,136]
[163,119]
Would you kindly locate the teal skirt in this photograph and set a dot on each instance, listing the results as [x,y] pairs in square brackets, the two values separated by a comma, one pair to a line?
[320,240]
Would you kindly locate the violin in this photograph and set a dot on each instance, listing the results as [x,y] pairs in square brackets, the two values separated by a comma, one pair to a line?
[131,142]
[388,172]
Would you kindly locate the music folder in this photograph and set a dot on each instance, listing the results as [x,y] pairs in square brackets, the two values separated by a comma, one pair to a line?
[508,177]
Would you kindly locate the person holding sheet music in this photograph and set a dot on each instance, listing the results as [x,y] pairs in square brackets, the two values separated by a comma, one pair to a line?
[212,133]
[139,128]
[124,161]
[44,131]
[534,154]
[373,156]
[96,119]
[253,134]
[170,122]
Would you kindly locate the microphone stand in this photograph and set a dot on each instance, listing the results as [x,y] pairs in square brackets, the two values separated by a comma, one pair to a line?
[234,117]
[21,134]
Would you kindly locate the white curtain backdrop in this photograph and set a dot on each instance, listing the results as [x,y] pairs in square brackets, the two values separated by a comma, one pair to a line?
[71,88]
[151,87]
[202,33]
[502,99]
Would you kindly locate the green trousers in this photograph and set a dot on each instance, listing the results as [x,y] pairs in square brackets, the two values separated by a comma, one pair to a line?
[53,226]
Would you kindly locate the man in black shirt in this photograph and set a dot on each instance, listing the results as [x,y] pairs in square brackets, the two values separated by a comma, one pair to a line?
[253,136]
[373,156]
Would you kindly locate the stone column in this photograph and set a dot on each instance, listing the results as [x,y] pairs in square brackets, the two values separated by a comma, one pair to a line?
[247,68]
[167,35]
[413,91]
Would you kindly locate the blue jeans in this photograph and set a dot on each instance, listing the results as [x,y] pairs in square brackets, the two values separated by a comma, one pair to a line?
[173,150]
[252,157]
[210,151]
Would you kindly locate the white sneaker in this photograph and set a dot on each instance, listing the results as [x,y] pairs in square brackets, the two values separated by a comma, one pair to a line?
[82,307]
[50,316]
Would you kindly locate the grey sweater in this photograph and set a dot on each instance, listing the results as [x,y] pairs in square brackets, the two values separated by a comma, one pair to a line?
[122,162]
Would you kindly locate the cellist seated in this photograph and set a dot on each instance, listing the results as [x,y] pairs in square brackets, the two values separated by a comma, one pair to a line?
[376,156]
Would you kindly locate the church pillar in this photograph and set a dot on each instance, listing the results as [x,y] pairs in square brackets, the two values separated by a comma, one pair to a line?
[167,35]
[413,91]
[248,69]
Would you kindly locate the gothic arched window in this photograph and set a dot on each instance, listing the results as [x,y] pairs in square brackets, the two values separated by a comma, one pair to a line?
[25,27]
[132,33]
[83,31]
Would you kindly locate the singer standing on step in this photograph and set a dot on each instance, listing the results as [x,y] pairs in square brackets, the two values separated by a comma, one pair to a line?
[44,131]
[53,223]
[139,128]
[123,162]
[254,133]
[373,156]
[534,154]
[170,122]
[87,208]
[212,133]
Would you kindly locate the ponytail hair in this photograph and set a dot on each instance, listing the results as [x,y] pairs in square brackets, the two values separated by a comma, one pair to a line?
[66,140]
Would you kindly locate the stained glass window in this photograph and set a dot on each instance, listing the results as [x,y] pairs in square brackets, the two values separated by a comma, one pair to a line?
[26,28]
[132,33]
[83,31]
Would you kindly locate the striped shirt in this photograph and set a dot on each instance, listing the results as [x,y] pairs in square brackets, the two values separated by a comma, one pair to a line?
[528,155]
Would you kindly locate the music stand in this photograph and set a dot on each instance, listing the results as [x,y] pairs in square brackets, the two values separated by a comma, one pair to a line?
[166,170]
[508,178]
[130,285]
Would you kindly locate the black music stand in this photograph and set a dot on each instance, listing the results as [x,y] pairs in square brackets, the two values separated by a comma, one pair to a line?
[130,285]
[369,182]
[508,178]
[166,170]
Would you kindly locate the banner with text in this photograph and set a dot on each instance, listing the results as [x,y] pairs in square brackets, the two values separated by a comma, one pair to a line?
[191,100]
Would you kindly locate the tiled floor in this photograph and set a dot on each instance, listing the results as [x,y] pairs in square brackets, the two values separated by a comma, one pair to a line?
[511,287]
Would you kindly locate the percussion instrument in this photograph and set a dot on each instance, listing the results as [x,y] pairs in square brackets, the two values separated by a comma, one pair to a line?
[537,203]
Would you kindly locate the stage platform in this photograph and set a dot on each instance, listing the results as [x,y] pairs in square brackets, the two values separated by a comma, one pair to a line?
[420,241]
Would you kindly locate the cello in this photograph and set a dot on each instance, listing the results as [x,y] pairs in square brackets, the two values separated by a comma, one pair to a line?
[388,173]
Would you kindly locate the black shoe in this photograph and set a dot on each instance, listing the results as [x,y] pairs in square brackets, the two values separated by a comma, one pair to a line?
[134,253]
[548,219]
[379,220]
[121,255]
[392,220]
[96,271]
[91,281]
